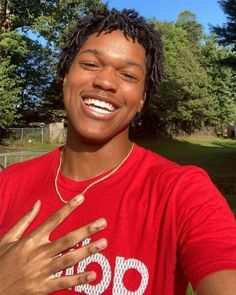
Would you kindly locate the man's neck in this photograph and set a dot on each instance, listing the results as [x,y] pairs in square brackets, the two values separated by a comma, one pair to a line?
[82,161]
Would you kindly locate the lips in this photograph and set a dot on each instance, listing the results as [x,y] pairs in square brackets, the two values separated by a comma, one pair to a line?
[99,105]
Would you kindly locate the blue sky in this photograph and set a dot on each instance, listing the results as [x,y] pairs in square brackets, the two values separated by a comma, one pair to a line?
[207,11]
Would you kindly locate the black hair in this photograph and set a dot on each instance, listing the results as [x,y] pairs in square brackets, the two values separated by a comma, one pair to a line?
[132,25]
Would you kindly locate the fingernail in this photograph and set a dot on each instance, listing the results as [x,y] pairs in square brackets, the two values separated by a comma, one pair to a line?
[36,205]
[79,199]
[91,276]
[100,244]
[34,211]
[100,223]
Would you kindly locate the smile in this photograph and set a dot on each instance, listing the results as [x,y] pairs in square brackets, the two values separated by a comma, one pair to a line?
[99,106]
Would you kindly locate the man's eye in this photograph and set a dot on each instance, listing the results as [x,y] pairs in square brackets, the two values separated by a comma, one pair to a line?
[89,65]
[128,76]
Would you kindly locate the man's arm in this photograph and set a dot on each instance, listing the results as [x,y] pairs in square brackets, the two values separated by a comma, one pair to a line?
[219,283]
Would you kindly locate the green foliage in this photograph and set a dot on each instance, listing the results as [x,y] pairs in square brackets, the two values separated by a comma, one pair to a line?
[12,46]
[9,93]
[188,22]
[12,43]
[59,17]
[183,101]
[222,84]
[227,32]
[198,89]
[34,62]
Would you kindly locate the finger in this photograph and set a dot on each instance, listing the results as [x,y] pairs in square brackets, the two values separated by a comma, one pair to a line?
[71,239]
[71,258]
[56,218]
[16,232]
[66,282]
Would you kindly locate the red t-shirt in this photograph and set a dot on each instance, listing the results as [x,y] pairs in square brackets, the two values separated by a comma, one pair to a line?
[167,224]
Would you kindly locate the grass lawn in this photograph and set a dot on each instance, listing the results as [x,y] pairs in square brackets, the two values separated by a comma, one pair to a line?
[190,291]
[33,147]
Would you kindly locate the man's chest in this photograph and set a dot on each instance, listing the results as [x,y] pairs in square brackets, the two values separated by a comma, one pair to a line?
[139,252]
[140,257]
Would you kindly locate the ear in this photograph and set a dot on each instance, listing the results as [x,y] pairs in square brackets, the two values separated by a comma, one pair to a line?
[142,101]
[64,80]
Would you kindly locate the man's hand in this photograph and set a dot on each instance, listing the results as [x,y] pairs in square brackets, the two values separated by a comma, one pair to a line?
[28,265]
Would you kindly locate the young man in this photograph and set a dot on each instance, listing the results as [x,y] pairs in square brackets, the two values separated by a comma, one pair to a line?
[166,224]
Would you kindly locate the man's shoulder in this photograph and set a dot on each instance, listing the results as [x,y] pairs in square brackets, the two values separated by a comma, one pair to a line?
[149,156]
[42,162]
[162,165]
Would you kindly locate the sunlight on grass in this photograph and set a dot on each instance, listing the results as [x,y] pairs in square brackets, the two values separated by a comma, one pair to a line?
[209,142]
[190,291]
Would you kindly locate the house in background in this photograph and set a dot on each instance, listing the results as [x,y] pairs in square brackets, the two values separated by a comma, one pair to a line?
[55,132]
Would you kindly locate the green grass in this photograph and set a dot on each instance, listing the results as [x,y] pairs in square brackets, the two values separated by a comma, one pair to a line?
[34,147]
[190,291]
[41,147]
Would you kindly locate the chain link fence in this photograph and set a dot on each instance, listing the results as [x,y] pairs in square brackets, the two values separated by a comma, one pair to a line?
[52,133]
[7,159]
[27,135]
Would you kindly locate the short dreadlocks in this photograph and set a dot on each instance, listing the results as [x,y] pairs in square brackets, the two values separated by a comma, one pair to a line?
[132,25]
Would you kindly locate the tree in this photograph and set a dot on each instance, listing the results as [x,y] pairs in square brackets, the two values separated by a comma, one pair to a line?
[10,82]
[188,22]
[227,32]
[34,64]
[222,85]
[183,101]
[54,25]
[197,90]
[9,93]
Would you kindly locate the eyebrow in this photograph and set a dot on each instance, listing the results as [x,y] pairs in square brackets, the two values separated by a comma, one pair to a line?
[90,50]
[100,53]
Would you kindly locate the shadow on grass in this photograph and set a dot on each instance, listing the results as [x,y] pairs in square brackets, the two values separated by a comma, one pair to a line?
[216,156]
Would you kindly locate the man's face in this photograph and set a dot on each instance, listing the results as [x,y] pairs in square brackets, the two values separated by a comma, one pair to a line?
[104,88]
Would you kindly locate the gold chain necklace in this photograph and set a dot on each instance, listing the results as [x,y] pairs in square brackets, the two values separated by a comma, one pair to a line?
[91,184]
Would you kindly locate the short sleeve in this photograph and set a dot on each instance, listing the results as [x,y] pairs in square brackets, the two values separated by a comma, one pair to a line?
[205,225]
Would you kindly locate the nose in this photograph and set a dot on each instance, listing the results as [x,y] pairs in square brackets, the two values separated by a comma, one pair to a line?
[106,79]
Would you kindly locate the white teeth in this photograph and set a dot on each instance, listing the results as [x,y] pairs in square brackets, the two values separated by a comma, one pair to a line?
[99,106]
[101,111]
